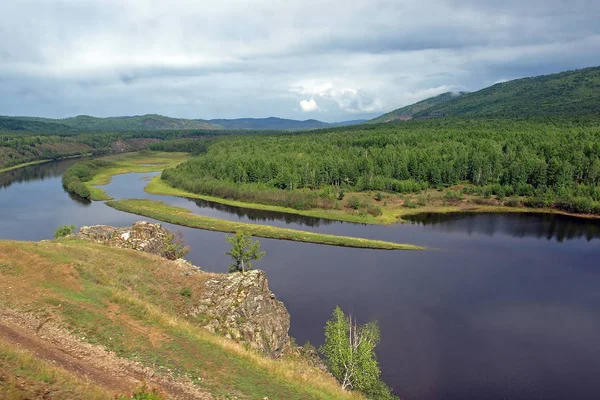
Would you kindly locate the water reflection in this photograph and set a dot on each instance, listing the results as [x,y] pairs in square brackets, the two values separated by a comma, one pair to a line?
[262,215]
[539,225]
[37,172]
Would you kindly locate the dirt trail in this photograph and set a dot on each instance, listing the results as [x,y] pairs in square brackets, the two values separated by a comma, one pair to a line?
[93,363]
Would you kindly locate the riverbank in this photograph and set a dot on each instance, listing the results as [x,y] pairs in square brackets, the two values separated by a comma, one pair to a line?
[394,207]
[184,217]
[143,161]
[95,321]
[36,162]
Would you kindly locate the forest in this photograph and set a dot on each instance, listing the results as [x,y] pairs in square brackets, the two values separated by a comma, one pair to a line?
[550,162]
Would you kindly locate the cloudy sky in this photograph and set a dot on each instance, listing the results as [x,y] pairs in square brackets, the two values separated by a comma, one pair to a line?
[330,60]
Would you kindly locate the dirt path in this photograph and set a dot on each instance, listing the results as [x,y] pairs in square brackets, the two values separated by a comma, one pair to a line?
[93,363]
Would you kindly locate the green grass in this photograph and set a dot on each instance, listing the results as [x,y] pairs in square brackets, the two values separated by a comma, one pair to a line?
[161,188]
[23,376]
[181,216]
[23,165]
[129,303]
[131,162]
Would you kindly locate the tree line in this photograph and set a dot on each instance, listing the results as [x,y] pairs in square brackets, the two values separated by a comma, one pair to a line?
[552,161]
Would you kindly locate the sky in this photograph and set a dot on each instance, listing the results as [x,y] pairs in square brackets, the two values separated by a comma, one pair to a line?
[329,60]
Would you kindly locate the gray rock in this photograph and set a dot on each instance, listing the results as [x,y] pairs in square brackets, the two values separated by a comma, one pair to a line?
[241,307]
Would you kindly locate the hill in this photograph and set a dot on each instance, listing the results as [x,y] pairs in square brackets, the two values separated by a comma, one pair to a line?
[274,123]
[148,122]
[81,320]
[16,124]
[570,93]
[407,112]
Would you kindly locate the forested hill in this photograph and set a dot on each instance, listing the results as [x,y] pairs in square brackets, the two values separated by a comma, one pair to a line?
[273,123]
[153,122]
[147,122]
[11,124]
[571,93]
[407,112]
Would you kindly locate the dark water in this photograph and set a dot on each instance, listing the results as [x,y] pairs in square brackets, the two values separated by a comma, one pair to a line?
[505,306]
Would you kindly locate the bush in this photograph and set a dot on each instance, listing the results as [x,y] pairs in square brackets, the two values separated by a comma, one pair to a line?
[143,393]
[341,195]
[378,196]
[408,203]
[512,202]
[174,246]
[354,202]
[186,292]
[452,197]
[64,230]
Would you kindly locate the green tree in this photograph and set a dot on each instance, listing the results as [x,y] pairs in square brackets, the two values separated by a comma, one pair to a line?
[349,350]
[64,230]
[243,250]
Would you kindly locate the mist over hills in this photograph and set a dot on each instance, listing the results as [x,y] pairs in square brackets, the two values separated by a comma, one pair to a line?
[570,93]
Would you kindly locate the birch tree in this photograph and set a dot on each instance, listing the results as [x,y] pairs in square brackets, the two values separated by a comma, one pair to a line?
[243,250]
[349,350]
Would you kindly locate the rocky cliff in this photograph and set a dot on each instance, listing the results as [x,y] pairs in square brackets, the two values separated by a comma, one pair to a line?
[239,306]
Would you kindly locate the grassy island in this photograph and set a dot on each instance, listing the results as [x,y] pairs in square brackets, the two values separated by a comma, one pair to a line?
[184,217]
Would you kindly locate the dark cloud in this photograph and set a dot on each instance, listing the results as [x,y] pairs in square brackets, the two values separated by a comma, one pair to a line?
[330,60]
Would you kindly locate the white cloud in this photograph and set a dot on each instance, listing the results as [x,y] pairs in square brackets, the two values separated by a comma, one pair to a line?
[309,105]
[258,58]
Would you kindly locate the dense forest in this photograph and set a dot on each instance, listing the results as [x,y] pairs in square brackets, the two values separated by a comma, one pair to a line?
[22,147]
[553,162]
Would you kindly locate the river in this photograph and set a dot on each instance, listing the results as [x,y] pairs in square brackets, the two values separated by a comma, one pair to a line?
[501,306]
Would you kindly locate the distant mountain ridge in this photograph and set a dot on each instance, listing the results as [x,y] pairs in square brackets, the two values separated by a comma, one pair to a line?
[274,123]
[570,93]
[133,123]
[152,122]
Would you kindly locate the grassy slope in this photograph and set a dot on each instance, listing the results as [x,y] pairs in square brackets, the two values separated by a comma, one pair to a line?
[410,110]
[24,377]
[129,302]
[143,161]
[567,93]
[184,217]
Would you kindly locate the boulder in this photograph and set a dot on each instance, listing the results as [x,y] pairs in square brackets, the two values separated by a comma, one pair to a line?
[241,307]
[141,236]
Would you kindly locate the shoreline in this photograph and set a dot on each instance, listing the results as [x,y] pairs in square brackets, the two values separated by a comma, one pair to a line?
[157,187]
[184,217]
[36,162]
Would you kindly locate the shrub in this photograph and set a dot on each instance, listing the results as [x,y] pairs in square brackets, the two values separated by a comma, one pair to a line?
[186,292]
[378,196]
[354,202]
[174,246]
[374,210]
[512,202]
[408,203]
[341,195]
[64,230]
[143,393]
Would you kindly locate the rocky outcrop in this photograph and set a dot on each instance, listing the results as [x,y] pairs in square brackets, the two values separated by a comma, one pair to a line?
[141,236]
[241,307]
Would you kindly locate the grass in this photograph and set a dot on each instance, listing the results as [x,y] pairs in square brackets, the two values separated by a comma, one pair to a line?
[23,165]
[393,206]
[181,216]
[130,303]
[159,187]
[23,376]
[143,161]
